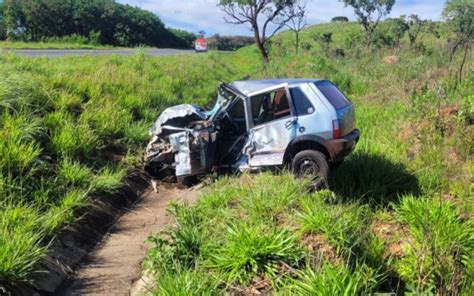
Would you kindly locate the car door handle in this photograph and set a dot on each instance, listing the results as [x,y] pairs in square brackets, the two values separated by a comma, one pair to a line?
[289,123]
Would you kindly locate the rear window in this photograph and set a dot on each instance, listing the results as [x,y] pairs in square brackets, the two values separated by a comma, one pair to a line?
[302,104]
[333,94]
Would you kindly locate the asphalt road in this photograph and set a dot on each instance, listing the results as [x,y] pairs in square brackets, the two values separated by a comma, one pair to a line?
[52,53]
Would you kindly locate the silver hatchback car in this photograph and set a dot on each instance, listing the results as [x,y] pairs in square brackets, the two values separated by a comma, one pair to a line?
[306,125]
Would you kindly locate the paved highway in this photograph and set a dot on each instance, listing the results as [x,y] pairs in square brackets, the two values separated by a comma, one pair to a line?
[52,53]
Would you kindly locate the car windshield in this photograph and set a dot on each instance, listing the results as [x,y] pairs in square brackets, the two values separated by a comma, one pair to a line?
[223,96]
[333,94]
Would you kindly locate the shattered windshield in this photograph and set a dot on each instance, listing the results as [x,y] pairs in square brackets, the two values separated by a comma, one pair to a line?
[223,97]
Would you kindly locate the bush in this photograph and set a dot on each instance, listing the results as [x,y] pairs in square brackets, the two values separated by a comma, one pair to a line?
[339,19]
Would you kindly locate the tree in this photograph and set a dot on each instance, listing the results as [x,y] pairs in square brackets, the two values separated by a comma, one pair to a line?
[324,39]
[397,27]
[297,22]
[104,21]
[272,12]
[185,38]
[460,15]
[415,27]
[369,13]
[341,19]
[3,30]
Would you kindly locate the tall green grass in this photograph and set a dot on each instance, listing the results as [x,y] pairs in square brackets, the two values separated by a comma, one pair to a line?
[398,213]
[72,128]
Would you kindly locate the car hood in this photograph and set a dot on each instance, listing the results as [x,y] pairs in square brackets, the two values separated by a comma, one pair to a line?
[178,117]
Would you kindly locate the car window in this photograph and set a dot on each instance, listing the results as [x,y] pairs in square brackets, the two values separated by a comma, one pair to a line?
[270,106]
[256,103]
[237,111]
[302,104]
[333,94]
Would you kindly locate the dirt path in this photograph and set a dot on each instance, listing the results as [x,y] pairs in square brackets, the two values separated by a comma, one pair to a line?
[114,264]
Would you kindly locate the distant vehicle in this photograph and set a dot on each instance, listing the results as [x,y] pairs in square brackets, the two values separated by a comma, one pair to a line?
[200,45]
[306,125]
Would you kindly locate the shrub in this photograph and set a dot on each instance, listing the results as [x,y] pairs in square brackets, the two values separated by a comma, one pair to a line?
[339,19]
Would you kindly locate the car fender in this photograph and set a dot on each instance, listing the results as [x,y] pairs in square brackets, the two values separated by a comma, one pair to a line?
[313,142]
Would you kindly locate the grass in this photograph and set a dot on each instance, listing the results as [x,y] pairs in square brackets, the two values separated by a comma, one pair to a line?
[72,128]
[50,45]
[397,216]
[249,251]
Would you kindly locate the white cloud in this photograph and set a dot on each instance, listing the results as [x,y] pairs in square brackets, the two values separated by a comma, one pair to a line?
[196,15]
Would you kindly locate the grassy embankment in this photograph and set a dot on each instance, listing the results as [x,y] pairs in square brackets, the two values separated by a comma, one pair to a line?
[72,128]
[398,213]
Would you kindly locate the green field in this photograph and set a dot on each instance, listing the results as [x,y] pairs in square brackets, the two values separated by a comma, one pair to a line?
[397,215]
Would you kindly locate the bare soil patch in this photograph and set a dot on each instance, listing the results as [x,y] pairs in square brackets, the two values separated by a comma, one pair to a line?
[115,263]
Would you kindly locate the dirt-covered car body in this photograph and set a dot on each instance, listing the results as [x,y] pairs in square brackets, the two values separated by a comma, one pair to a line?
[254,125]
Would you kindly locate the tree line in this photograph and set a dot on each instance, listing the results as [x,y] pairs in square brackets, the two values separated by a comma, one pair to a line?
[99,21]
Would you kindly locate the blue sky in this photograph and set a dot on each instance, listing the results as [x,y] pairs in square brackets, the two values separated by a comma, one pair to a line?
[196,15]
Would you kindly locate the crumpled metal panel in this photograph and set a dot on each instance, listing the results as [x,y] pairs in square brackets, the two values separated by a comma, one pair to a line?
[180,145]
[176,114]
[268,145]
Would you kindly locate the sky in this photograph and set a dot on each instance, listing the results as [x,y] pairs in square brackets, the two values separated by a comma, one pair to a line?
[196,15]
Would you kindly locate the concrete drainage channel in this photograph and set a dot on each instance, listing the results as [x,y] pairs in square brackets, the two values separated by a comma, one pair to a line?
[101,254]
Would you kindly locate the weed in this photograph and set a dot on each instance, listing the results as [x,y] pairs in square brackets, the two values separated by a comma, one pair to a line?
[185,282]
[345,226]
[330,279]
[180,247]
[253,250]
[441,249]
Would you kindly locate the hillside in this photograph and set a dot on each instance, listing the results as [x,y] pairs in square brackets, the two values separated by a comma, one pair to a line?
[397,215]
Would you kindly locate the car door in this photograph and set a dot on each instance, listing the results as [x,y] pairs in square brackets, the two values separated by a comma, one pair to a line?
[271,130]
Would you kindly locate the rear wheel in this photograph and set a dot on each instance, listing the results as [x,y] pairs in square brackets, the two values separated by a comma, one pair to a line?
[311,164]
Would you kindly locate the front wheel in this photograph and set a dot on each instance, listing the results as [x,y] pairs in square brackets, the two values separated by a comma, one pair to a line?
[311,164]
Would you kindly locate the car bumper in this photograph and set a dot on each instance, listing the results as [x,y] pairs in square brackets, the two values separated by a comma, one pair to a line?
[344,146]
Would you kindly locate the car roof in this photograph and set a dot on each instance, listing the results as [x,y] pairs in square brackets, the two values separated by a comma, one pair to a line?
[248,86]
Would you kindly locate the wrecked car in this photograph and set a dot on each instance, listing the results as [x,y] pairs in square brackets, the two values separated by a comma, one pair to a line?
[306,125]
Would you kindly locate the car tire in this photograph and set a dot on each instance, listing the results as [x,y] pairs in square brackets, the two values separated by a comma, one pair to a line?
[313,164]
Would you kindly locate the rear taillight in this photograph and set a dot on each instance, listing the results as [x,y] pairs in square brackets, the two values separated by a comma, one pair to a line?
[337,128]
